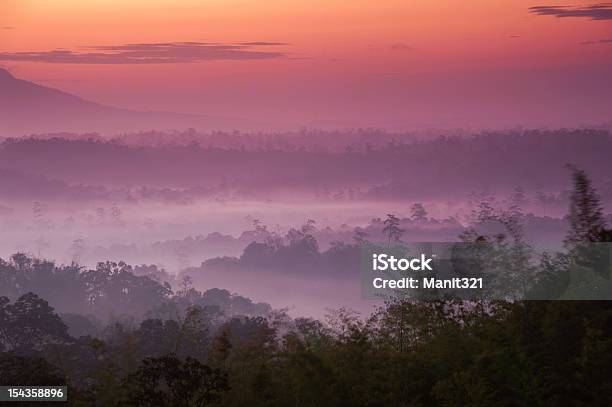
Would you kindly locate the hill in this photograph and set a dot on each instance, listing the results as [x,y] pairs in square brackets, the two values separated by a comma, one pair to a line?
[26,108]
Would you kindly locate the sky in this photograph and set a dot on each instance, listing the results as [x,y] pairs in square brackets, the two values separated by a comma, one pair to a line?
[384,63]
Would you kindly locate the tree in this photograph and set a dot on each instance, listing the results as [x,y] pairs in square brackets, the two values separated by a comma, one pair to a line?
[518,198]
[38,212]
[186,284]
[116,215]
[77,249]
[170,381]
[586,218]
[309,227]
[418,212]
[360,236]
[29,324]
[193,336]
[100,216]
[28,371]
[221,348]
[392,229]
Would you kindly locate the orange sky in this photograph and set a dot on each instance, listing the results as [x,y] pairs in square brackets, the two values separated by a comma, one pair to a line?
[422,63]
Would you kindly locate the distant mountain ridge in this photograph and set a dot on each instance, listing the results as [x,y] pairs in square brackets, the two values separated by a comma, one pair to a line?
[27,108]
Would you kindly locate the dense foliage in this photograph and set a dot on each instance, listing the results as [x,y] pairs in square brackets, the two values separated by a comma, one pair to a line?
[184,352]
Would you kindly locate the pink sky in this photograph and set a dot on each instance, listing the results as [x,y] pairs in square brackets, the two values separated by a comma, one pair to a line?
[419,64]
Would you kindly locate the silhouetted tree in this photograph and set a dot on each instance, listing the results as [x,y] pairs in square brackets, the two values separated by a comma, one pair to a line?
[29,323]
[585,214]
[360,236]
[392,229]
[418,212]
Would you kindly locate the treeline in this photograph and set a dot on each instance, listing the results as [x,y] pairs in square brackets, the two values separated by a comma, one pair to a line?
[496,249]
[425,168]
[178,254]
[114,290]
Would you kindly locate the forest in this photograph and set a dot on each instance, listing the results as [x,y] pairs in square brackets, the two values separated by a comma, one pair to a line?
[126,336]
[356,166]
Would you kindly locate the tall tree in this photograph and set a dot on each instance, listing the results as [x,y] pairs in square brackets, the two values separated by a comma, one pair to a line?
[418,212]
[360,236]
[586,218]
[392,229]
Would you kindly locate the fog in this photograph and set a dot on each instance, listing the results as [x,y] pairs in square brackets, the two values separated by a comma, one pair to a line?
[179,200]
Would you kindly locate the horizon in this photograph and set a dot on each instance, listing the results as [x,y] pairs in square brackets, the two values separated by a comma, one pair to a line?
[385,65]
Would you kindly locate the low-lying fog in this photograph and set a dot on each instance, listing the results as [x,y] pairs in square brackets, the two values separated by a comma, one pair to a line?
[192,199]
[176,237]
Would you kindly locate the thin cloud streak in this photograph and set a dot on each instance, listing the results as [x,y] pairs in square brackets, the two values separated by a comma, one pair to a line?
[149,53]
[594,12]
[400,47]
[263,43]
[602,41]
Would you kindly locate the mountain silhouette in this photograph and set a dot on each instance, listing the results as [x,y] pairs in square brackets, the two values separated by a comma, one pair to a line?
[27,108]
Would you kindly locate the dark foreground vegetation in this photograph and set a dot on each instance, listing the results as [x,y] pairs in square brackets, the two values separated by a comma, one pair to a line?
[187,348]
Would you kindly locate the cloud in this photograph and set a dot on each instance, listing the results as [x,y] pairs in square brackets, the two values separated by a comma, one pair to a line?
[602,41]
[601,11]
[263,43]
[148,53]
[400,47]
[8,27]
